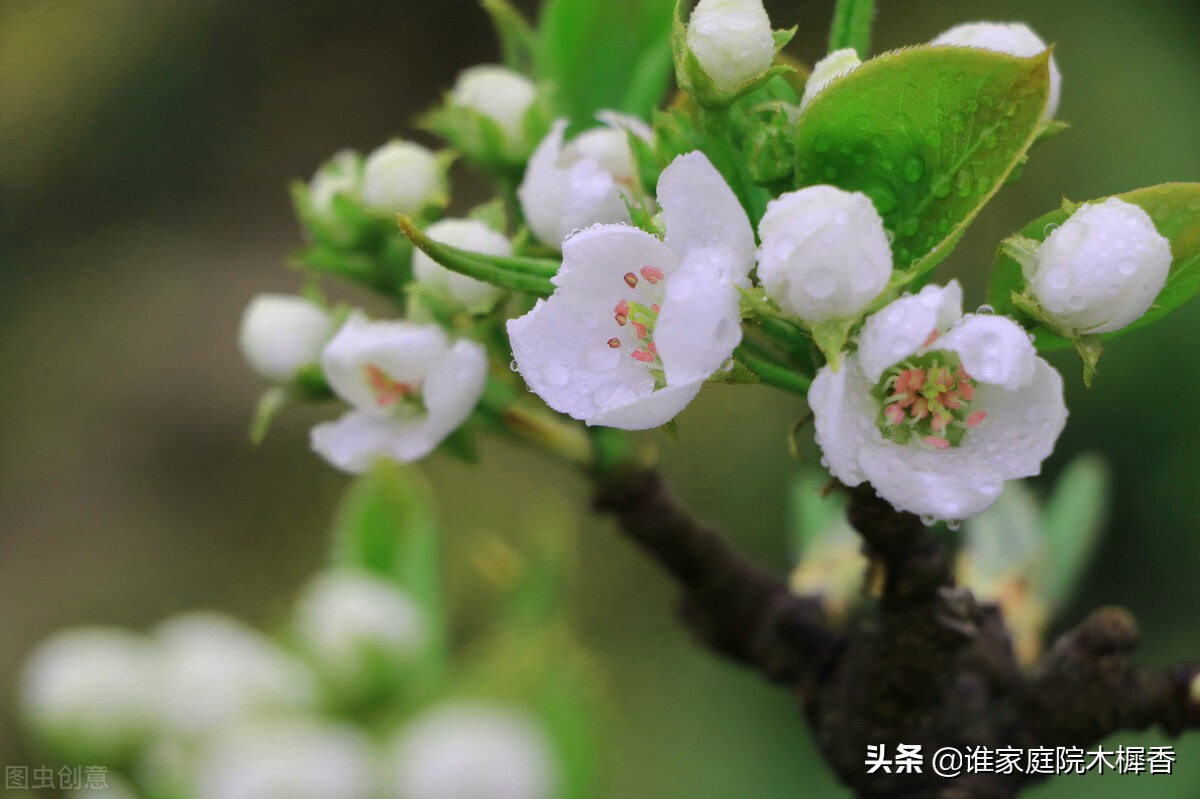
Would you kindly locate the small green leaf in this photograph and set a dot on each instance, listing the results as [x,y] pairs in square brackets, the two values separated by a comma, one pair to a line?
[518,42]
[1073,520]
[528,275]
[929,134]
[852,26]
[1175,210]
[270,405]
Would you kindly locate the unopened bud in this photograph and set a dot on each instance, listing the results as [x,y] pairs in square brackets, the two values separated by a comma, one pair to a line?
[1014,38]
[281,334]
[832,66]
[497,93]
[340,175]
[1102,269]
[824,254]
[732,41]
[402,178]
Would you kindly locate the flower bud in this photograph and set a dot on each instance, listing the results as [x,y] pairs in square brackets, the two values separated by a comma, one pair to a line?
[473,751]
[281,334]
[353,626]
[832,66]
[1102,269]
[402,178]
[1014,38]
[299,760]
[732,40]
[498,94]
[89,694]
[473,295]
[216,672]
[824,253]
[340,175]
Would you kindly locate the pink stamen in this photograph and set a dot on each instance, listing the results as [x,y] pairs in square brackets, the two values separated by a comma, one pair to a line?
[966,390]
[631,280]
[640,329]
[655,307]
[387,391]
[652,274]
[939,443]
[975,419]
[950,401]
[894,414]
[643,356]
[920,408]
[932,337]
[615,343]
[938,424]
[652,348]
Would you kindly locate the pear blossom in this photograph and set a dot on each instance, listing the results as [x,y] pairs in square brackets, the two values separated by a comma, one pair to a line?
[937,409]
[91,693]
[497,93]
[732,40]
[402,177]
[408,386]
[825,71]
[216,672]
[473,751]
[1101,269]
[635,325]
[474,296]
[825,254]
[280,334]
[570,186]
[1014,38]
[340,175]
[293,759]
[350,623]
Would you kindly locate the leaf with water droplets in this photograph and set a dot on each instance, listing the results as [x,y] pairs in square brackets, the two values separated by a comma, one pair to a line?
[944,128]
[1175,210]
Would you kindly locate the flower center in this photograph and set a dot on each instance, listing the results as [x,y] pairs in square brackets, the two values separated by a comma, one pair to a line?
[636,317]
[399,398]
[928,398]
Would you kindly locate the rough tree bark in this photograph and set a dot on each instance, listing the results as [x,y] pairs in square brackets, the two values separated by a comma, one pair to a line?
[924,665]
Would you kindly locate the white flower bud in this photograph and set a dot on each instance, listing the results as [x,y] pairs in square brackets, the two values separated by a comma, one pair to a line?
[1102,269]
[466,234]
[342,175]
[90,694]
[824,253]
[402,178]
[832,66]
[497,93]
[297,760]
[351,624]
[732,40]
[1014,38]
[216,672]
[473,751]
[281,334]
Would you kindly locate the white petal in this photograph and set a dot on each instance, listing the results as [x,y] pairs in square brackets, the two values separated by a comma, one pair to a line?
[844,415]
[1021,427]
[356,440]
[945,484]
[701,211]
[406,352]
[700,322]
[899,329]
[992,349]
[473,295]
[596,260]
[828,69]
[452,390]
[618,121]
[647,411]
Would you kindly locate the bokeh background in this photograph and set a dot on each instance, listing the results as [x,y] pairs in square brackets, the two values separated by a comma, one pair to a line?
[145,148]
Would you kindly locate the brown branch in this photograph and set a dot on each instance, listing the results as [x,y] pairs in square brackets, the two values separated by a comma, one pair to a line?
[732,605]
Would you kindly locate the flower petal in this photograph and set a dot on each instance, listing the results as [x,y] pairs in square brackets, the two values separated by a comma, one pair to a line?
[700,211]
[356,440]
[647,411]
[453,389]
[944,484]
[993,349]
[899,330]
[844,417]
[406,352]
[700,322]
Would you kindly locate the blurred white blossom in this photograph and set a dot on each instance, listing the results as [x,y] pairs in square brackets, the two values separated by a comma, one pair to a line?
[497,93]
[281,334]
[473,295]
[339,176]
[402,177]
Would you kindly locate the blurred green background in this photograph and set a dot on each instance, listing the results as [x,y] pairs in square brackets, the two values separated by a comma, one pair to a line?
[145,148]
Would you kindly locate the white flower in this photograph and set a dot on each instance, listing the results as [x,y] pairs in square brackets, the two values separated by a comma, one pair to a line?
[732,40]
[340,175]
[936,410]
[566,188]
[473,751]
[1014,38]
[402,178]
[91,693]
[296,760]
[408,387]
[1102,269]
[498,93]
[825,254]
[216,671]
[834,65]
[636,326]
[281,334]
[473,295]
[352,623]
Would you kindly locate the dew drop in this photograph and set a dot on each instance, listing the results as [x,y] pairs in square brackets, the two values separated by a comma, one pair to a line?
[985,310]
[954,525]
[940,185]
[927,520]
[884,197]
[822,144]
[914,168]
[1050,228]
[513,365]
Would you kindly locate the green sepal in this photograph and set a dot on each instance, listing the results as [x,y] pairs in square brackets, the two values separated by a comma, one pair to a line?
[528,275]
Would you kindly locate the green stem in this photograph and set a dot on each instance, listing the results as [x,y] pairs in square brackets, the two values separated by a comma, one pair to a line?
[773,375]
[852,26]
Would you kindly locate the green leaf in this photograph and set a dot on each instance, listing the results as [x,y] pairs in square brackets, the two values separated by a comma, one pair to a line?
[852,26]
[1175,210]
[518,42]
[529,275]
[1073,520]
[929,134]
[595,64]
[814,513]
